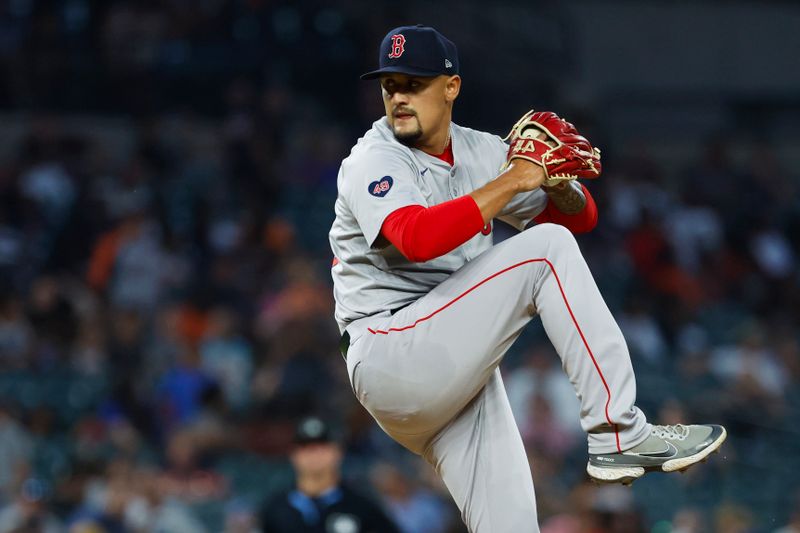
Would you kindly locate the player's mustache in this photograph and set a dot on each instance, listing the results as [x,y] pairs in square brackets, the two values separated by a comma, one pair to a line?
[404,111]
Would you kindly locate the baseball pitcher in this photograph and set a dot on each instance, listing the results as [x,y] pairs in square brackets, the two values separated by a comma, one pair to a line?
[427,306]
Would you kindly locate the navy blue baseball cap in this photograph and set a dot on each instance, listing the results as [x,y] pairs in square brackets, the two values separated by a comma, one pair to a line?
[417,51]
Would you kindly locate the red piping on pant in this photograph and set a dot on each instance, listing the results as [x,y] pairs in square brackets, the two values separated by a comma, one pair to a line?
[566,303]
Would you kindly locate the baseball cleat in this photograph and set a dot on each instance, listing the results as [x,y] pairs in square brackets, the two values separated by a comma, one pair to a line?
[666,449]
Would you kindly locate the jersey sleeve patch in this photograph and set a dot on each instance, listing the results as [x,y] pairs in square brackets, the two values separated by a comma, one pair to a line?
[381,187]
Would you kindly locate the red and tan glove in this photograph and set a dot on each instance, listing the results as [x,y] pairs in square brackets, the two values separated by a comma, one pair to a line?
[553,143]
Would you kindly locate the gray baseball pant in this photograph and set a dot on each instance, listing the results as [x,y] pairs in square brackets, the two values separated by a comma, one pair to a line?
[429,373]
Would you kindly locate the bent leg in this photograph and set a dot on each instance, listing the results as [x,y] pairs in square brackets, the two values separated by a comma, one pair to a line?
[424,364]
[426,373]
[481,459]
[593,351]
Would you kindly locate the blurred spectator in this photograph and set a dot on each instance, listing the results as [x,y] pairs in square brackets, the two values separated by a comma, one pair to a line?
[227,357]
[180,390]
[541,430]
[643,334]
[184,477]
[124,194]
[211,428]
[29,510]
[296,375]
[772,252]
[694,231]
[299,299]
[540,377]
[130,499]
[47,184]
[106,499]
[320,502]
[750,366]
[130,263]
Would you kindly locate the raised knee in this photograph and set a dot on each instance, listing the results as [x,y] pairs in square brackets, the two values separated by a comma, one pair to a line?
[555,234]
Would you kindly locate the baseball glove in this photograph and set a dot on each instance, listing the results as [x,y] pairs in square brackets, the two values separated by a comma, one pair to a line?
[553,143]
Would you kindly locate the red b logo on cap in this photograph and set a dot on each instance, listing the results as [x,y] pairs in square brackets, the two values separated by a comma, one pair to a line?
[398,45]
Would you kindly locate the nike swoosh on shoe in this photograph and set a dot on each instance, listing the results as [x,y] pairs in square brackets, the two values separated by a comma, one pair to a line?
[671,451]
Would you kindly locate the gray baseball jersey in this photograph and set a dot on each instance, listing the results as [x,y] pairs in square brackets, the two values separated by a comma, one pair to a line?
[380,176]
[426,339]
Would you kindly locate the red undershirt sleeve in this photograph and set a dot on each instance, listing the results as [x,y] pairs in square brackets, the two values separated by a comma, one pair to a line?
[424,233]
[580,222]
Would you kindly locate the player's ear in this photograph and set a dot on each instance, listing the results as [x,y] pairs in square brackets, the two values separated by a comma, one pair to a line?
[452,88]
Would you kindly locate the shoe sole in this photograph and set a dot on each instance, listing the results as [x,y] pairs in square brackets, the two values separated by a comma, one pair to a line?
[628,474]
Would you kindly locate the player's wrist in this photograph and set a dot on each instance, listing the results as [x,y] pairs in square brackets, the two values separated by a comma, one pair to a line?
[567,196]
[510,183]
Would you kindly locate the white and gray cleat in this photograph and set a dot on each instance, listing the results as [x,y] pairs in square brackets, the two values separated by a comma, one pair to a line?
[666,449]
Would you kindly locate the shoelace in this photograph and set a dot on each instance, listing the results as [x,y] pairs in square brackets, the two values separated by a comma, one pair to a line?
[675,432]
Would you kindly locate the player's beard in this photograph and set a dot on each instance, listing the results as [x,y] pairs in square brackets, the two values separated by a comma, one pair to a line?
[409,138]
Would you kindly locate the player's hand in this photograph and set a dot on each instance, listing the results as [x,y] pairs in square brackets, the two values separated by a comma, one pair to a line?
[526,175]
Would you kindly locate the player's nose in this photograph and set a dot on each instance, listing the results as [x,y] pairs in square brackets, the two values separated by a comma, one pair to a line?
[399,98]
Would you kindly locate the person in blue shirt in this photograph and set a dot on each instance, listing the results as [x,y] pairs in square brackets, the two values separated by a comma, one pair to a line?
[320,503]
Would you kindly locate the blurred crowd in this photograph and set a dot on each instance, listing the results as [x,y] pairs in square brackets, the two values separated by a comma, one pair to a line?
[166,311]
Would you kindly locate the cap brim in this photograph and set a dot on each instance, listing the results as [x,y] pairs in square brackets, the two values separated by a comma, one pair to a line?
[401,70]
